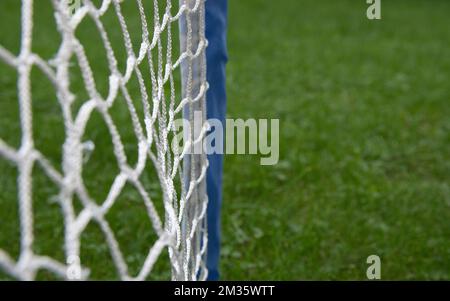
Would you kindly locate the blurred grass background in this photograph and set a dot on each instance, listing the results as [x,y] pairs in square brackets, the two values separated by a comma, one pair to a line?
[364,144]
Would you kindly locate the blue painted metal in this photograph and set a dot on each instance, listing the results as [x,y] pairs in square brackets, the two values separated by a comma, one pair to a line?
[217,57]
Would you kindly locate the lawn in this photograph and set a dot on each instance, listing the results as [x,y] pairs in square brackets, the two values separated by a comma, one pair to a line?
[364,144]
[364,139]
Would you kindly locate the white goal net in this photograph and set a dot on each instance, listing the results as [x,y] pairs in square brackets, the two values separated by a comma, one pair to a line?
[172,40]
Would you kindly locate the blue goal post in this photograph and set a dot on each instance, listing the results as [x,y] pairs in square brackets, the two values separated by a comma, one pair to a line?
[216,57]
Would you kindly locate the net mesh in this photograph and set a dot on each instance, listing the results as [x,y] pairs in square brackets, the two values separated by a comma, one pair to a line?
[180,171]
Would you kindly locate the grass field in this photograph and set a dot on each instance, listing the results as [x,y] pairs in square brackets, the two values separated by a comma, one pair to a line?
[364,145]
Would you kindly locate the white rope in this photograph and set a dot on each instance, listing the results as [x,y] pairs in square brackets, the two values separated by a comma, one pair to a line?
[183,228]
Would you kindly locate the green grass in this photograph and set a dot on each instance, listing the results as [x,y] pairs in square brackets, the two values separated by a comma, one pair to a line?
[364,145]
[364,138]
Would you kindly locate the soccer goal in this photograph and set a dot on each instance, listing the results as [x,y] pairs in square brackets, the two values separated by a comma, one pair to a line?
[152,78]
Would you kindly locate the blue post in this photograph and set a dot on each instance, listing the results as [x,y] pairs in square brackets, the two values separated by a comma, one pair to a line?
[216,55]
